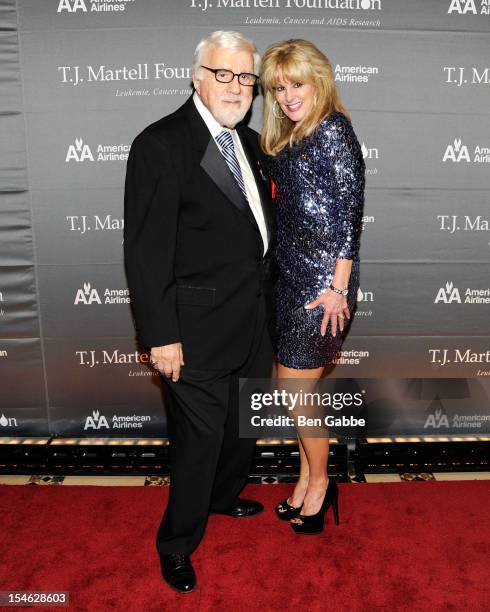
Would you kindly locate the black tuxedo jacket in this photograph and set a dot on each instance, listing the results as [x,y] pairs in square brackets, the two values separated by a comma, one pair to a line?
[193,250]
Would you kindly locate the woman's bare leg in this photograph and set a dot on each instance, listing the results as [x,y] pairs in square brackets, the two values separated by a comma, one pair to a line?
[313,479]
[299,492]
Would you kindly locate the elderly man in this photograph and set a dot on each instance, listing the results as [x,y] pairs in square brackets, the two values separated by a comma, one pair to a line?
[198,230]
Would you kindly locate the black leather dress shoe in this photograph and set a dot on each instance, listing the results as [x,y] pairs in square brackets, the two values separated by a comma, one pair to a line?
[241,508]
[178,572]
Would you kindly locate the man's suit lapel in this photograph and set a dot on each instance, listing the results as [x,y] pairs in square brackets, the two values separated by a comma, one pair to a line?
[216,167]
[213,162]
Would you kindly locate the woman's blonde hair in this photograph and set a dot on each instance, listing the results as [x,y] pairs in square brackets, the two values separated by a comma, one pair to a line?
[300,61]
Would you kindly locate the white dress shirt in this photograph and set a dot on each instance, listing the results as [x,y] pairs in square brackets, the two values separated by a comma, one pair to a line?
[248,178]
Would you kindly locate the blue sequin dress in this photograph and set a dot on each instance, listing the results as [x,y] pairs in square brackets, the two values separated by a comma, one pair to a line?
[319,205]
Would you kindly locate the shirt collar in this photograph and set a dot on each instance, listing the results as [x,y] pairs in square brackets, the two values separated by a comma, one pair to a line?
[213,126]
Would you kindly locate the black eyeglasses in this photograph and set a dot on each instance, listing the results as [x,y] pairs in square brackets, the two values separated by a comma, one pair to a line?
[226,76]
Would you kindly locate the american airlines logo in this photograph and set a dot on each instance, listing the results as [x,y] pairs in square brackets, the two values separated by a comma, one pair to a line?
[350,357]
[88,295]
[463,7]
[450,294]
[96,421]
[367,219]
[439,418]
[72,6]
[457,152]
[80,152]
[436,419]
[355,74]
[92,6]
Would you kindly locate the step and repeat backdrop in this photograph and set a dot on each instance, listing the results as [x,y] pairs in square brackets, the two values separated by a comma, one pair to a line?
[80,78]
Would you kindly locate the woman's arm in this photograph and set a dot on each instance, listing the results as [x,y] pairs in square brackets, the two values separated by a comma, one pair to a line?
[348,170]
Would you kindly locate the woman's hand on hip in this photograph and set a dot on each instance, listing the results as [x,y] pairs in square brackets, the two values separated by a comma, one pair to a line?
[335,310]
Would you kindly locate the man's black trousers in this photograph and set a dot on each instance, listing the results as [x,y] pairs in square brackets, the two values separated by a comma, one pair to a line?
[209,462]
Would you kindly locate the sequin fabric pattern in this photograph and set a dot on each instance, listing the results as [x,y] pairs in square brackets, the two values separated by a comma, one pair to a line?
[319,205]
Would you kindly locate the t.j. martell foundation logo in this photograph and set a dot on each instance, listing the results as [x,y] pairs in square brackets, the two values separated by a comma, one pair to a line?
[8,421]
[142,71]
[348,5]
[371,156]
[369,153]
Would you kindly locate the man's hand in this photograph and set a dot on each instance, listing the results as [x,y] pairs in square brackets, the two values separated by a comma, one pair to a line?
[168,359]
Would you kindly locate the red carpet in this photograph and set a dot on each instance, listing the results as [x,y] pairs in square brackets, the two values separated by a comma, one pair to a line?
[402,546]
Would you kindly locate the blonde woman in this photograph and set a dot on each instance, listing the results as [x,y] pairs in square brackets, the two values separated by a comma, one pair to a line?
[318,169]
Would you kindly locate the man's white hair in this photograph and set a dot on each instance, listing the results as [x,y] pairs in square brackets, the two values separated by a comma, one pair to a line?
[233,41]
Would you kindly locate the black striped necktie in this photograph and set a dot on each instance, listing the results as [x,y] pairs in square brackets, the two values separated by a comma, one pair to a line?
[225,142]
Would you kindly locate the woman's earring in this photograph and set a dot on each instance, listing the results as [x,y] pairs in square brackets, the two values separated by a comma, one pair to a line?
[274,111]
